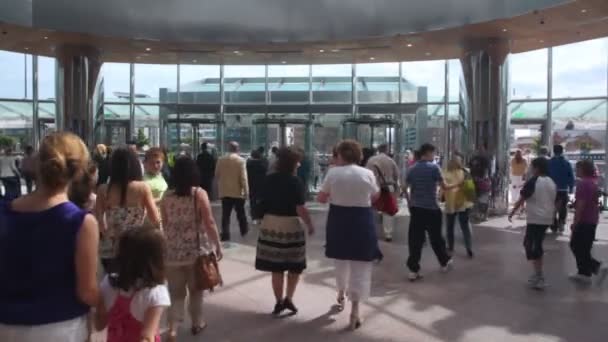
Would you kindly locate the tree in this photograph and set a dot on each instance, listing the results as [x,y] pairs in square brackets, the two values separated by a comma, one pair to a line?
[6,141]
[141,139]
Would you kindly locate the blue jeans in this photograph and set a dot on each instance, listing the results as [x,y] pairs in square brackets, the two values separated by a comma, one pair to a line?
[463,220]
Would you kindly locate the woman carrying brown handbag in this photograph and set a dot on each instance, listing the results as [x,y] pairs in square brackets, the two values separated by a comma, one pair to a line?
[186,239]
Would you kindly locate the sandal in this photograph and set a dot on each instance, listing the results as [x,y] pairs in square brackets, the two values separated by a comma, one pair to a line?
[341,301]
[198,329]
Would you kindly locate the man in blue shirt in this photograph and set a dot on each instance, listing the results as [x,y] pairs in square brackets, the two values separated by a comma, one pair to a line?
[425,214]
[562,175]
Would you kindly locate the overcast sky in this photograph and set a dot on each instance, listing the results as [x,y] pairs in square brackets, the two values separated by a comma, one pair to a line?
[579,70]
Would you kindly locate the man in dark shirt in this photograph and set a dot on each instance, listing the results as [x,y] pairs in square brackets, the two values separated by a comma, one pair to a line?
[206,167]
[426,217]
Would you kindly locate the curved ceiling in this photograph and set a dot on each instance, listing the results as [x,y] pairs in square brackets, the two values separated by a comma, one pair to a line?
[293,31]
[247,21]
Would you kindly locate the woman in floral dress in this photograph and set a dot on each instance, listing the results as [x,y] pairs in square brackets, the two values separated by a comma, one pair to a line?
[189,230]
[123,203]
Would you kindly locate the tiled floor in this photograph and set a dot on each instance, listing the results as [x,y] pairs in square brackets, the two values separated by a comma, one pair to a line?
[484,299]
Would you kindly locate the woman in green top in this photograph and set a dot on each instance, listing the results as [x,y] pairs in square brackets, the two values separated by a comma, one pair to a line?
[457,205]
[153,165]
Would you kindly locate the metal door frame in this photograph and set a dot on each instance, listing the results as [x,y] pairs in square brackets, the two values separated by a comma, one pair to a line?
[372,123]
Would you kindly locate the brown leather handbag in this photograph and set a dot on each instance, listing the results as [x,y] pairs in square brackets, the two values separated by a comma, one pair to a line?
[206,269]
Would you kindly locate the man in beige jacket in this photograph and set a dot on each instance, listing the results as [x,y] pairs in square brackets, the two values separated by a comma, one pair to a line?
[231,175]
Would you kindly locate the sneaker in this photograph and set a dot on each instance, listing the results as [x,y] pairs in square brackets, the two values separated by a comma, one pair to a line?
[388,239]
[448,266]
[532,280]
[470,254]
[581,278]
[601,275]
[414,276]
[539,284]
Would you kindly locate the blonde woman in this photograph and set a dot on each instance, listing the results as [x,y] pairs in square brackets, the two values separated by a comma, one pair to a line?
[456,205]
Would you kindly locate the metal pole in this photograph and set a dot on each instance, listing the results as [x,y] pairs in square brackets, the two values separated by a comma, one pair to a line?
[179,114]
[606,134]
[25,75]
[266,90]
[400,82]
[59,95]
[446,116]
[35,114]
[354,90]
[549,120]
[309,85]
[131,101]
[220,124]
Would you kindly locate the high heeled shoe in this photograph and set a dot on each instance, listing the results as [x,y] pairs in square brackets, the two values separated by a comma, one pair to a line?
[278,308]
[355,323]
[288,304]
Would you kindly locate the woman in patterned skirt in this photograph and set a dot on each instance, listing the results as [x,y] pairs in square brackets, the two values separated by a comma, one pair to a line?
[351,233]
[281,244]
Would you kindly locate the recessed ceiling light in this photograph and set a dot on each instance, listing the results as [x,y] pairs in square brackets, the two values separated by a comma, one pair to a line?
[409,45]
[137,57]
[541,41]
[335,50]
[428,53]
[504,30]
[45,37]
[236,52]
[283,62]
[148,49]
[194,61]
[27,48]
[372,58]
[321,51]
[583,11]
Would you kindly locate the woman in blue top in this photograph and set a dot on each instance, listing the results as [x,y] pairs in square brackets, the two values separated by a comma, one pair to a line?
[48,252]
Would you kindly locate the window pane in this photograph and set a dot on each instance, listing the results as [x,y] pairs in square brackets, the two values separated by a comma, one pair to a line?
[332,83]
[529,75]
[454,75]
[239,128]
[155,83]
[580,69]
[245,83]
[46,78]
[16,122]
[15,75]
[424,81]
[528,110]
[378,82]
[288,83]
[115,81]
[199,83]
[146,121]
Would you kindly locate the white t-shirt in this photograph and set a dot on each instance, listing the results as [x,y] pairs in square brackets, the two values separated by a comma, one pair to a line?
[350,186]
[142,300]
[540,193]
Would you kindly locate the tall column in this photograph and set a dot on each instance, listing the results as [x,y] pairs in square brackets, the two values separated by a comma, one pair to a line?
[485,69]
[76,74]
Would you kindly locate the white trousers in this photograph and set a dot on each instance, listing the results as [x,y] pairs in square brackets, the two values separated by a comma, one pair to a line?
[388,225]
[517,183]
[354,278]
[74,330]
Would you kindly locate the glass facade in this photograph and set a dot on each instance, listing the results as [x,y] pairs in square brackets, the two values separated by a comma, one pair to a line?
[314,106]
[559,96]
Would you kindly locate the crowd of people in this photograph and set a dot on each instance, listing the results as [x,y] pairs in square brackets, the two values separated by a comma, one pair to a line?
[146,222]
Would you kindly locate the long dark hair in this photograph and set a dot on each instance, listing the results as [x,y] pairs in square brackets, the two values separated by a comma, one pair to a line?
[124,168]
[140,260]
[185,175]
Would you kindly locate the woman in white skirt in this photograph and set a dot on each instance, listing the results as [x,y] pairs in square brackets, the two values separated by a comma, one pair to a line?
[519,168]
[351,238]
[48,252]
